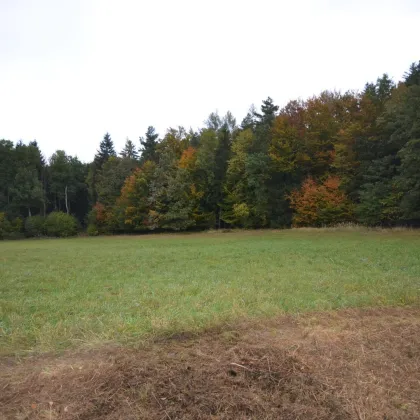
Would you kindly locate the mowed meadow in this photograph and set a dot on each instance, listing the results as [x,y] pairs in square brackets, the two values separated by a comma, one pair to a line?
[66,293]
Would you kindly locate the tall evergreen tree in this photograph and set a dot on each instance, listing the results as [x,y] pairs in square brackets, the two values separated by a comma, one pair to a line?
[268,112]
[8,170]
[149,144]
[249,120]
[129,151]
[412,77]
[106,150]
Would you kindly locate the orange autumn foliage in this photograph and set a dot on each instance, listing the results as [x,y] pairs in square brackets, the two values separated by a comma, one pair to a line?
[320,204]
[129,186]
[101,215]
[188,158]
[133,203]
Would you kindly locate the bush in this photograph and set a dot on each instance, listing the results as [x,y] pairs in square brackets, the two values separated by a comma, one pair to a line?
[92,230]
[17,225]
[60,224]
[5,226]
[35,226]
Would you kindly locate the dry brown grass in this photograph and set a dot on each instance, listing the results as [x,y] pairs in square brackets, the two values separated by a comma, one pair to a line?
[352,364]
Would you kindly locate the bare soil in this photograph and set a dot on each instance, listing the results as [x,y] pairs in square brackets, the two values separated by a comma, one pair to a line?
[350,364]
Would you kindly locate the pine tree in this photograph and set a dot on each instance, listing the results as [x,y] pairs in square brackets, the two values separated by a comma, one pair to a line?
[106,150]
[249,120]
[129,151]
[412,77]
[268,112]
[8,169]
[149,143]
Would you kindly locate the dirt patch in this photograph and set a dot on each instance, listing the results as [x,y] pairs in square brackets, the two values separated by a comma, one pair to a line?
[352,364]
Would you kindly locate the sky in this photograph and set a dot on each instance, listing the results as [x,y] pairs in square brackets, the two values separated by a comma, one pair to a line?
[72,70]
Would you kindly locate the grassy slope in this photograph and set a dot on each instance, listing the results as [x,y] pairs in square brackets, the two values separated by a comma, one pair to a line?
[58,293]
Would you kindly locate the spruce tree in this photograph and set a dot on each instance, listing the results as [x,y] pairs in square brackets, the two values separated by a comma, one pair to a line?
[412,77]
[106,150]
[129,151]
[249,120]
[268,112]
[149,143]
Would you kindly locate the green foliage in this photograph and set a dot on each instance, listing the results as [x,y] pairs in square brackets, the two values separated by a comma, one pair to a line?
[111,177]
[223,175]
[17,225]
[149,145]
[5,226]
[241,214]
[67,181]
[409,180]
[135,212]
[129,151]
[106,150]
[35,226]
[92,230]
[60,225]
[101,217]
[412,77]
[8,168]
[27,190]
[268,113]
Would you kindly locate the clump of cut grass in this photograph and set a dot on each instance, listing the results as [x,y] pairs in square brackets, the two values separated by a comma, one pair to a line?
[348,364]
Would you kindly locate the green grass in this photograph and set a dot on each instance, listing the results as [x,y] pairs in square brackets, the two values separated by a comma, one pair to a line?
[71,292]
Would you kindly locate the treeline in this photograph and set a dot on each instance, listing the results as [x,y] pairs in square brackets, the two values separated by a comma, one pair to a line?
[336,157]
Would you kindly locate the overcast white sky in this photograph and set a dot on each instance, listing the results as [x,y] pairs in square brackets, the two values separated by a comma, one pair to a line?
[70,70]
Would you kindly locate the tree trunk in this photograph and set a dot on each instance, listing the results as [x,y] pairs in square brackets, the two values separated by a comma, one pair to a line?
[67,203]
[29,212]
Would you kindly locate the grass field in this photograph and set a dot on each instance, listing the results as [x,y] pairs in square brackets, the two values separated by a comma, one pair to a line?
[57,294]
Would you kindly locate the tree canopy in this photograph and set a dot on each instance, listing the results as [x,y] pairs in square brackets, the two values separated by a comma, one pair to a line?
[334,157]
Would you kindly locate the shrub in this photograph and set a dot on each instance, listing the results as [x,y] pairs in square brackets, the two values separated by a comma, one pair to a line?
[92,230]
[60,224]
[16,229]
[5,226]
[35,226]
[17,225]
